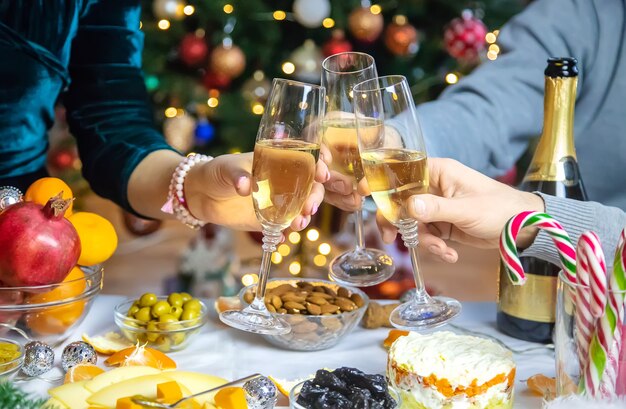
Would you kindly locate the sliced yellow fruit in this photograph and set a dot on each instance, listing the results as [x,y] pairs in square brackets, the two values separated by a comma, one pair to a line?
[285,386]
[55,403]
[145,386]
[107,344]
[72,395]
[197,382]
[119,375]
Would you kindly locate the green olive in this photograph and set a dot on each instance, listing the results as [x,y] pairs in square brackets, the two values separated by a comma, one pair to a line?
[132,310]
[163,343]
[177,338]
[160,308]
[192,304]
[175,300]
[189,315]
[186,297]
[168,318]
[143,314]
[176,311]
[148,300]
[152,326]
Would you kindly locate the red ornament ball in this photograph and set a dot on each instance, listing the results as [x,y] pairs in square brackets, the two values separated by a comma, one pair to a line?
[337,44]
[464,37]
[401,38]
[364,25]
[63,159]
[228,61]
[215,80]
[193,50]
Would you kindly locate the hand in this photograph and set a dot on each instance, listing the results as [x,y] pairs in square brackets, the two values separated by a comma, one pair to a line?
[218,192]
[466,207]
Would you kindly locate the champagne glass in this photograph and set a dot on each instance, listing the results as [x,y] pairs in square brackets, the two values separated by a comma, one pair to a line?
[340,73]
[395,165]
[283,170]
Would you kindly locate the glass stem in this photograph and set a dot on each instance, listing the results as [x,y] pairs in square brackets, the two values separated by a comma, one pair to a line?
[271,238]
[408,230]
[358,228]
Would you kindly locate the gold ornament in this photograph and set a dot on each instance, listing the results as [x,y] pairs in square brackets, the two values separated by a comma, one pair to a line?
[401,38]
[364,25]
[168,9]
[308,62]
[179,132]
[228,61]
[257,88]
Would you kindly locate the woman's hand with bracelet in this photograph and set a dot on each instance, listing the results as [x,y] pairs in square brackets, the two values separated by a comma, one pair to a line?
[219,192]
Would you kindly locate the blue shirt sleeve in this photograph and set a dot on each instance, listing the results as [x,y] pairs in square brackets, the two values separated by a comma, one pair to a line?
[108,110]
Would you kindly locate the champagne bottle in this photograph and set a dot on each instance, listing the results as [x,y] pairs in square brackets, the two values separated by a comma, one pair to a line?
[528,312]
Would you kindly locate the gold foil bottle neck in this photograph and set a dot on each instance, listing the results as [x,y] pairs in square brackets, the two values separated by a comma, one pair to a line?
[556,145]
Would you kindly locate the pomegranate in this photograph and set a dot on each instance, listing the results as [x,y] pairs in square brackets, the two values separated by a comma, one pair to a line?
[38,246]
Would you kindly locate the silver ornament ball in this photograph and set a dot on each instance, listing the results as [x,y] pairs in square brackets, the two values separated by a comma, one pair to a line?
[260,393]
[38,358]
[77,353]
[9,195]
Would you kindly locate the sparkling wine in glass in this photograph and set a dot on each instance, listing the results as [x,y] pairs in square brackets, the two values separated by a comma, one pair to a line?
[394,160]
[283,170]
[360,266]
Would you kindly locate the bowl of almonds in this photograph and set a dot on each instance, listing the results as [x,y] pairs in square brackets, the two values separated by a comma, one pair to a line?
[320,312]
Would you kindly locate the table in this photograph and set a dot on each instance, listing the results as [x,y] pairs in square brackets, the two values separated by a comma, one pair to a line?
[231,354]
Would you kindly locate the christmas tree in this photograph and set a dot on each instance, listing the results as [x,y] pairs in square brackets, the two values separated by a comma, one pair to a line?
[209,64]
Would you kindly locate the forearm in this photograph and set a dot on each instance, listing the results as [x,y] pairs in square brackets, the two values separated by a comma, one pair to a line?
[576,218]
[148,185]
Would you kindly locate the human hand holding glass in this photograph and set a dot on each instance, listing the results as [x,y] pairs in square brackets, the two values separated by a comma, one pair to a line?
[283,171]
[340,73]
[394,161]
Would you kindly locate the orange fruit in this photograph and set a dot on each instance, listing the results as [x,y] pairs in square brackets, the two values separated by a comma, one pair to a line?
[56,320]
[542,385]
[393,335]
[231,397]
[141,356]
[107,344]
[98,239]
[43,189]
[82,372]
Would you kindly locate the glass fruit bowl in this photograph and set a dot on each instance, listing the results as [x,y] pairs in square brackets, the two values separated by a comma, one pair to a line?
[295,393]
[163,336]
[311,331]
[49,313]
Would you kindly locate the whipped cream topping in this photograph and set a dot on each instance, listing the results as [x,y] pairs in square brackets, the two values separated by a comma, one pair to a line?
[458,358]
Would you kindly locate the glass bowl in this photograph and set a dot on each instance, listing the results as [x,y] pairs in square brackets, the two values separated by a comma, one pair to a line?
[295,392]
[313,332]
[10,367]
[48,313]
[169,337]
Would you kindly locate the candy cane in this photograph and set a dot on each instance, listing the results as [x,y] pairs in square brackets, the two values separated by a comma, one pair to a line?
[590,292]
[615,314]
[508,250]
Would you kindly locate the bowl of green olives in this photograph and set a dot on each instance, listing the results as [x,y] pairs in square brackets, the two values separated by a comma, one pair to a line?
[166,323]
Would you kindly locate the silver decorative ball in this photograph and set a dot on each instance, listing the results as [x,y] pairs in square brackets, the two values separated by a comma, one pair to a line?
[9,195]
[38,358]
[77,353]
[260,393]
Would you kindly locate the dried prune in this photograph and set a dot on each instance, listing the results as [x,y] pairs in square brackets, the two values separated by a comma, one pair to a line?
[377,384]
[330,381]
[309,393]
[332,400]
[355,392]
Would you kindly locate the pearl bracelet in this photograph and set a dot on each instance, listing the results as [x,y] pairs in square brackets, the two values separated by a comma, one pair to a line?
[176,203]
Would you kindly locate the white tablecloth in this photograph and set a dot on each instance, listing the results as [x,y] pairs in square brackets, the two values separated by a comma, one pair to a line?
[232,354]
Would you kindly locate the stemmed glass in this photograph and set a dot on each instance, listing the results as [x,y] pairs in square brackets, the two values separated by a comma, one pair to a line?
[340,73]
[283,170]
[393,154]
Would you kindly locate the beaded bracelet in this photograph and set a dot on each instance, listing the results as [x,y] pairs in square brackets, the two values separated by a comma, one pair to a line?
[176,203]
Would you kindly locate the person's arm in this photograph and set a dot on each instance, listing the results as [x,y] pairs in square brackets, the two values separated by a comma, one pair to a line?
[578,217]
[109,113]
[487,119]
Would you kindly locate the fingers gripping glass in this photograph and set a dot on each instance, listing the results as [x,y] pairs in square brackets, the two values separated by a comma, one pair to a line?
[394,160]
[340,73]
[283,170]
